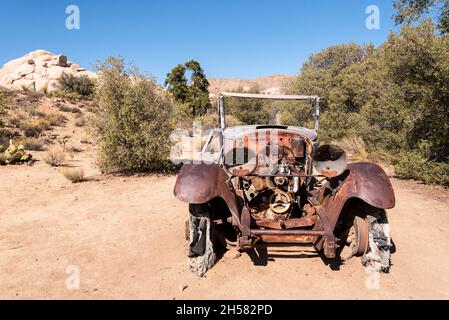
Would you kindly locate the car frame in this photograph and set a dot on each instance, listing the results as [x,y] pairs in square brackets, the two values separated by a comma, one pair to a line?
[329,203]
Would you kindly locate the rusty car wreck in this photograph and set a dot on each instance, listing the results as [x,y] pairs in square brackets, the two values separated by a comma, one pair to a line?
[274,184]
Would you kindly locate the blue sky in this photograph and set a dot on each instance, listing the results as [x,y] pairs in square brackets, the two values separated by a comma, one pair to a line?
[232,38]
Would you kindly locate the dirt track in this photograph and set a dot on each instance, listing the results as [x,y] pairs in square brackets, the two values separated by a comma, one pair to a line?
[125,236]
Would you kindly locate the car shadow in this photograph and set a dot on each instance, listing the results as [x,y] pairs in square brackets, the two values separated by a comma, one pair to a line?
[260,255]
[333,263]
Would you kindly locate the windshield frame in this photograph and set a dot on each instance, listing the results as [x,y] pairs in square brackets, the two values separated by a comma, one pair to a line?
[222,109]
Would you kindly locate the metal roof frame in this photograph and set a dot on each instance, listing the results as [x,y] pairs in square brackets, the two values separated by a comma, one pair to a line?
[268,96]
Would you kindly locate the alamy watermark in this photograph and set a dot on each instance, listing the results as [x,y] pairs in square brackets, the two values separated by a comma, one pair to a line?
[73,21]
[372,22]
[204,146]
[372,281]
[72,282]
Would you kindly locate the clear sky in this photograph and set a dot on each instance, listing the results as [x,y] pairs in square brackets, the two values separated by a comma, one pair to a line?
[230,38]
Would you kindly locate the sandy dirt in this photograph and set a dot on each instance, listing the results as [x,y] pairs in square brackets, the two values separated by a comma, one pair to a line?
[125,236]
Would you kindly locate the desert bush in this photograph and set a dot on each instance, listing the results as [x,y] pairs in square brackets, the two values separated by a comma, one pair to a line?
[70,96]
[55,119]
[32,144]
[76,110]
[393,97]
[80,122]
[355,147]
[75,175]
[44,90]
[249,111]
[133,121]
[64,108]
[412,165]
[210,121]
[15,120]
[62,140]
[74,149]
[2,107]
[32,111]
[34,127]
[80,85]
[54,158]
[25,88]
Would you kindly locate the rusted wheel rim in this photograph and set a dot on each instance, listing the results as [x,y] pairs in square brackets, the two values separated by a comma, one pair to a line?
[361,237]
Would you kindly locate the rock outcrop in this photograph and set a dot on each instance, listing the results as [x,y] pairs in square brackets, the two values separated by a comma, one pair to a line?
[39,71]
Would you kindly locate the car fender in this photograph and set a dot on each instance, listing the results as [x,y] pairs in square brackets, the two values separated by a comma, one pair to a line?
[200,183]
[362,180]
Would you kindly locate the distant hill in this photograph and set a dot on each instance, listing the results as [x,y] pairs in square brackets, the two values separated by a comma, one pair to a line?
[275,84]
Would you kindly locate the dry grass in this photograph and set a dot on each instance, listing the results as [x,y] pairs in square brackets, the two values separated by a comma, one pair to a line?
[355,148]
[64,108]
[74,149]
[32,111]
[75,175]
[76,110]
[34,127]
[17,119]
[80,122]
[54,158]
[55,119]
[32,144]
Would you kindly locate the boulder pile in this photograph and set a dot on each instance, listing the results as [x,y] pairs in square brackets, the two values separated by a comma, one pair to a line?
[39,71]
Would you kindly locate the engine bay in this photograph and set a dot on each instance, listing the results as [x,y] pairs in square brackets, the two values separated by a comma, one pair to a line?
[269,170]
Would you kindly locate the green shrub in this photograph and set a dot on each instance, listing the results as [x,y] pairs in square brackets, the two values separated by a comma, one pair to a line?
[412,165]
[355,148]
[71,96]
[249,111]
[81,85]
[210,121]
[393,97]
[133,121]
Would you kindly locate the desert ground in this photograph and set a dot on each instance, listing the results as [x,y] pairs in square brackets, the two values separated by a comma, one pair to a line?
[125,237]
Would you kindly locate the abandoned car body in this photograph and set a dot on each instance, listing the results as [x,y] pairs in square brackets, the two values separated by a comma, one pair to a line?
[274,184]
